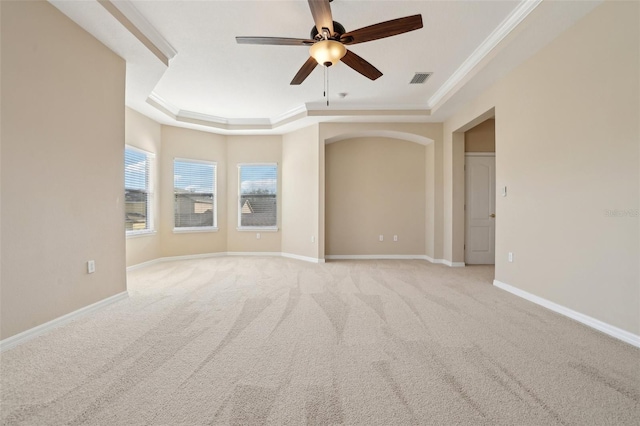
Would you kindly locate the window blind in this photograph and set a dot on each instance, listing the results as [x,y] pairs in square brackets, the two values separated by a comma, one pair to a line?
[258,185]
[194,193]
[138,193]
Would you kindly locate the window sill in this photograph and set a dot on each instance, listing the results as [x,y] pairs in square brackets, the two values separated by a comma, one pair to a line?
[257,228]
[194,230]
[138,234]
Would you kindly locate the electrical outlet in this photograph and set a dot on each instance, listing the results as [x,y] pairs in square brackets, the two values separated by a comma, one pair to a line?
[91,266]
[395,238]
[381,237]
[313,239]
[258,236]
[510,257]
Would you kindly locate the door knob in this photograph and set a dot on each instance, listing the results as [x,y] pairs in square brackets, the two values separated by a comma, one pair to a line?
[492,215]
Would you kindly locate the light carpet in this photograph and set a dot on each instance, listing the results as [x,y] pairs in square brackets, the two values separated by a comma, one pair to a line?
[257,340]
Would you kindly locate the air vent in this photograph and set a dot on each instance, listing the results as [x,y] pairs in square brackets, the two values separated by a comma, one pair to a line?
[420,78]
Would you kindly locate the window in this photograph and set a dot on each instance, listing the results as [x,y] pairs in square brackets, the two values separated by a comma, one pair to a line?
[138,191]
[194,194]
[257,190]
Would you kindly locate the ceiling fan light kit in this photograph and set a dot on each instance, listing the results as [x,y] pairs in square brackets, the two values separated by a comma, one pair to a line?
[328,40]
[327,52]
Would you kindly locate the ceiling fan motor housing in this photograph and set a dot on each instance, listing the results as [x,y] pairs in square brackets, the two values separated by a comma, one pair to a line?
[338,30]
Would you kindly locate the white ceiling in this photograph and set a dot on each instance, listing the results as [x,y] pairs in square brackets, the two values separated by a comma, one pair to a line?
[215,84]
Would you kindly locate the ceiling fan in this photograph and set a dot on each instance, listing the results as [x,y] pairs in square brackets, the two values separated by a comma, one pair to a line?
[328,39]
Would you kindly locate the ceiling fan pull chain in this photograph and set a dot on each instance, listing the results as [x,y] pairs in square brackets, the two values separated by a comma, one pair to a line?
[324,82]
[327,91]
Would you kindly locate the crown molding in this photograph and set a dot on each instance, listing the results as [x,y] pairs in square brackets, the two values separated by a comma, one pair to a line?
[221,122]
[131,18]
[196,116]
[508,25]
[287,117]
[368,112]
[298,113]
[163,106]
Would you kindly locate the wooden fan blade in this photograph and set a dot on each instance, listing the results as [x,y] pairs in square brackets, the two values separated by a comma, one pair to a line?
[279,41]
[383,29]
[360,65]
[321,11]
[304,71]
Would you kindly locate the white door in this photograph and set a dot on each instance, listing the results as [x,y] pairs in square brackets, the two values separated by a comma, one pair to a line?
[480,209]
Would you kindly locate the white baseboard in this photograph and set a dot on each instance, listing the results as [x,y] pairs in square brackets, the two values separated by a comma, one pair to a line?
[143,264]
[34,332]
[254,253]
[445,262]
[222,254]
[374,256]
[191,257]
[303,258]
[173,258]
[609,329]
[299,257]
[393,256]
[452,264]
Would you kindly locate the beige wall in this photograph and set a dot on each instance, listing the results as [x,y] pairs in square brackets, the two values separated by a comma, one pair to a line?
[567,155]
[251,149]
[191,144]
[144,133]
[300,191]
[481,138]
[375,186]
[433,212]
[430,201]
[62,167]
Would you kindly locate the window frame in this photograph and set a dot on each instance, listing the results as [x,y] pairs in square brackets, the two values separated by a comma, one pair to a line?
[150,158]
[273,228]
[193,229]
